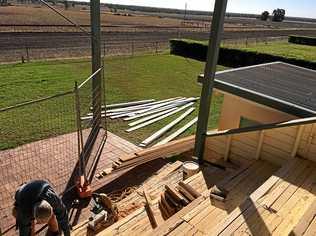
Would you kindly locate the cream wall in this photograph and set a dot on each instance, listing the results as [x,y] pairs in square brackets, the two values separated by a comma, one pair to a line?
[234,107]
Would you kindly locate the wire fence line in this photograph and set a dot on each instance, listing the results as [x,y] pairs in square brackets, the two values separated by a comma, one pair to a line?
[82,48]
[28,53]
[40,139]
[252,41]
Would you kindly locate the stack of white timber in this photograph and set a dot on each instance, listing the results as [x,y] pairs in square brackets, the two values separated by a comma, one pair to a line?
[146,112]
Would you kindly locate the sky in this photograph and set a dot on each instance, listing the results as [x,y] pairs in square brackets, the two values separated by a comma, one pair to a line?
[298,8]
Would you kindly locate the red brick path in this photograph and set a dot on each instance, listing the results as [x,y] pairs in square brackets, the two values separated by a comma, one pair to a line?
[53,159]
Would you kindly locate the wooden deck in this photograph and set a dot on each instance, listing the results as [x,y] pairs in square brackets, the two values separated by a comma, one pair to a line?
[263,199]
[255,206]
[240,177]
[270,175]
[207,214]
[279,209]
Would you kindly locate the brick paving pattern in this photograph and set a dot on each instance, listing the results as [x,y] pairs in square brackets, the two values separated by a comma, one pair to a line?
[53,159]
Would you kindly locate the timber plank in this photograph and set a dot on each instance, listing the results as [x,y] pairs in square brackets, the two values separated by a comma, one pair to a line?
[296,206]
[182,229]
[254,209]
[272,221]
[280,161]
[113,229]
[282,146]
[211,154]
[280,137]
[283,184]
[256,220]
[250,138]
[258,193]
[242,151]
[254,225]
[237,195]
[177,146]
[311,231]
[197,210]
[305,221]
[176,220]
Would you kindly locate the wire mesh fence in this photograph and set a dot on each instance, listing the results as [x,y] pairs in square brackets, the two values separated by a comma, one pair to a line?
[92,123]
[252,41]
[38,141]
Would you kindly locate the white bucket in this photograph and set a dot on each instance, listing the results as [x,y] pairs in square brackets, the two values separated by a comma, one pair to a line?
[190,168]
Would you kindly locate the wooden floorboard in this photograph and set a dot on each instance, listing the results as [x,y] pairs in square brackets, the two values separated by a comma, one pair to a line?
[306,220]
[277,212]
[263,199]
[236,218]
[311,230]
[238,192]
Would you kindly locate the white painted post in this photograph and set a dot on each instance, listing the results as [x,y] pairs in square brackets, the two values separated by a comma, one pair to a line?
[297,140]
[309,142]
[259,147]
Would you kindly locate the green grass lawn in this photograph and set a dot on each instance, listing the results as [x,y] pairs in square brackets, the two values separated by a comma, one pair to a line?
[281,48]
[127,79]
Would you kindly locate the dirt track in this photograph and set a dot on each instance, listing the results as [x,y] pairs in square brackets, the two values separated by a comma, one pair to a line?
[34,31]
[74,39]
[74,44]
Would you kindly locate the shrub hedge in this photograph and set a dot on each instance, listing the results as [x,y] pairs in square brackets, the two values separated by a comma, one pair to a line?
[302,40]
[229,56]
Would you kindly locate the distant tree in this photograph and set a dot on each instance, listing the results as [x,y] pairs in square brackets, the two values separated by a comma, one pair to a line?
[265,15]
[3,2]
[278,15]
[66,5]
[52,2]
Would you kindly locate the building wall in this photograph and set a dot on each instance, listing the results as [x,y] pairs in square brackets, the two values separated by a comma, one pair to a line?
[234,107]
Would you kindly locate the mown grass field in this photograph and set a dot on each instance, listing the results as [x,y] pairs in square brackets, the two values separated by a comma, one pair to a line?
[281,48]
[127,79]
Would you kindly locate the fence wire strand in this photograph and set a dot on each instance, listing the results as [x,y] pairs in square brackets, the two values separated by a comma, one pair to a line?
[37,142]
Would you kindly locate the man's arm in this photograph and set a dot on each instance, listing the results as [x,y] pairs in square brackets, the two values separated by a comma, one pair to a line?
[59,210]
[23,223]
[25,226]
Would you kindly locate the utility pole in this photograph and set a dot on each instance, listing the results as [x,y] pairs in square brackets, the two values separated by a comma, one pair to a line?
[209,74]
[96,62]
[185,12]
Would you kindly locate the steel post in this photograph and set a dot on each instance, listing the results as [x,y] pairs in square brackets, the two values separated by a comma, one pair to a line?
[209,74]
[96,61]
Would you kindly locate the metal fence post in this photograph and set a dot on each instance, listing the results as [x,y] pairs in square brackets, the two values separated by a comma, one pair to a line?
[156,47]
[27,54]
[81,161]
[103,53]
[132,48]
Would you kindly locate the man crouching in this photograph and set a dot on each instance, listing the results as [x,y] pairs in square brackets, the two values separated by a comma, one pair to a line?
[37,203]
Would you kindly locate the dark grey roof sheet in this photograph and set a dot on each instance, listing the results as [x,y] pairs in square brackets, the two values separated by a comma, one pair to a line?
[282,86]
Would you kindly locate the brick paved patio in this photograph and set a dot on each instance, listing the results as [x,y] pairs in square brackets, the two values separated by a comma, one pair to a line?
[52,159]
